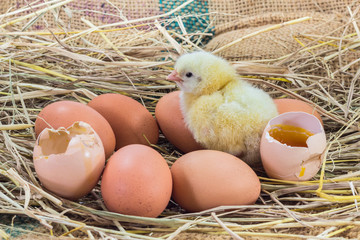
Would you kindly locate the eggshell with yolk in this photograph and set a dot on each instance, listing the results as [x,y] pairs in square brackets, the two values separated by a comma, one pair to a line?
[206,179]
[288,162]
[171,121]
[131,122]
[65,113]
[69,161]
[136,181]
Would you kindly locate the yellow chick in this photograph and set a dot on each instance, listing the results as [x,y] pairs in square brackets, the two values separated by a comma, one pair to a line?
[222,111]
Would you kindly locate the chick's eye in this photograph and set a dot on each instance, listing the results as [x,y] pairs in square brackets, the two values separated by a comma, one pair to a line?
[188,74]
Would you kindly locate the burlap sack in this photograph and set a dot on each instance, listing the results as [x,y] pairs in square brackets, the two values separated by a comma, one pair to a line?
[276,43]
[240,14]
[99,12]
[222,15]
[80,15]
[240,18]
[233,18]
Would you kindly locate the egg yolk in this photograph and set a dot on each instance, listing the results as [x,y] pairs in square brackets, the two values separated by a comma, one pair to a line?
[290,135]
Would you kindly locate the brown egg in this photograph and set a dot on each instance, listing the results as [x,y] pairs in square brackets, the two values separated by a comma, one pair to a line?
[65,113]
[293,105]
[206,179]
[69,161]
[171,121]
[130,120]
[136,181]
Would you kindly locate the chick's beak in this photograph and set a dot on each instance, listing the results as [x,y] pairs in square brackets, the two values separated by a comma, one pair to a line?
[174,76]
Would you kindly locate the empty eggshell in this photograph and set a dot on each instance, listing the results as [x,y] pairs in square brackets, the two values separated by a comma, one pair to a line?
[171,121]
[282,161]
[206,179]
[69,161]
[65,113]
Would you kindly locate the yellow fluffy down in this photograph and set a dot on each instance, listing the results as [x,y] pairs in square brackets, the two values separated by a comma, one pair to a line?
[223,112]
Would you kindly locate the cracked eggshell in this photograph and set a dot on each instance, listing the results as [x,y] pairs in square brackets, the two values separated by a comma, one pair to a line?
[69,161]
[65,113]
[293,163]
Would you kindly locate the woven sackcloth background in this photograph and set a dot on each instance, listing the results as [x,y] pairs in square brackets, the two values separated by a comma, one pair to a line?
[236,14]
[233,19]
[276,43]
[222,15]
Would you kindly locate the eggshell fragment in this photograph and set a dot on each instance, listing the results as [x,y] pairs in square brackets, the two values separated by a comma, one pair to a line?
[65,113]
[69,161]
[171,121]
[293,105]
[293,163]
[206,179]
[132,122]
[136,181]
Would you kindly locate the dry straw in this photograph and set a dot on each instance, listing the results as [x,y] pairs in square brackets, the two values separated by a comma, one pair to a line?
[38,68]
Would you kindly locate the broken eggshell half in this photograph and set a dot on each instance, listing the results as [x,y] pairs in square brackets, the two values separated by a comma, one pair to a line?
[69,161]
[297,163]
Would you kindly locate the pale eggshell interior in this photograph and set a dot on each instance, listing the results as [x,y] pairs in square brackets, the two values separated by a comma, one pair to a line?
[293,163]
[69,161]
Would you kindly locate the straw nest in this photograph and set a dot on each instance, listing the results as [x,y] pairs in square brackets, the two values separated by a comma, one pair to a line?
[38,68]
